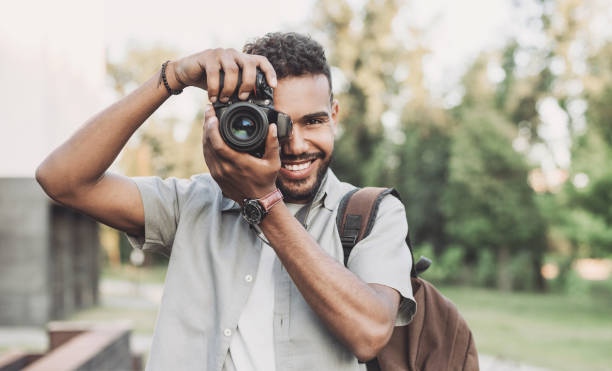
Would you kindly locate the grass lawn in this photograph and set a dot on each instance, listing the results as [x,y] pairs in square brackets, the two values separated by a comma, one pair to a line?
[555,331]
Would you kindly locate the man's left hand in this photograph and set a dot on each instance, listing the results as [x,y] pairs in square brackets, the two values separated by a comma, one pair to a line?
[240,175]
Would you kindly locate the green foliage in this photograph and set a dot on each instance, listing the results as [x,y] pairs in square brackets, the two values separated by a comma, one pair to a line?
[486,269]
[601,290]
[368,70]
[488,202]
[460,178]
[447,268]
[522,272]
[421,177]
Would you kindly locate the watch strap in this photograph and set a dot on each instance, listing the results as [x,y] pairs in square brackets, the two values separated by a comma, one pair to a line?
[271,199]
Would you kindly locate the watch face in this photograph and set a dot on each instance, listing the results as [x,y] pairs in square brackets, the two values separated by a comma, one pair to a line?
[252,212]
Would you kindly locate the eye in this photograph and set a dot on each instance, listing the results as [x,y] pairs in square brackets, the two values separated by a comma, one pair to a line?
[315,121]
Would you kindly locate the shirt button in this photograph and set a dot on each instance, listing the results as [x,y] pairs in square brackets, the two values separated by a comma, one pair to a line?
[227,332]
[248,278]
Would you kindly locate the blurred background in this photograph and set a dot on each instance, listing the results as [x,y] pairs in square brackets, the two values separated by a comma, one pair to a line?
[493,119]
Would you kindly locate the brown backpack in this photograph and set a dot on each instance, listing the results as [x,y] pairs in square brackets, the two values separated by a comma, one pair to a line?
[438,338]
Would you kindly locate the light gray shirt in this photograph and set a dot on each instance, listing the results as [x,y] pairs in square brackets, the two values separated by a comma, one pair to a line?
[214,256]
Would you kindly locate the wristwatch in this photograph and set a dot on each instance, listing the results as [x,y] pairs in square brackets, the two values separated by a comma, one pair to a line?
[254,210]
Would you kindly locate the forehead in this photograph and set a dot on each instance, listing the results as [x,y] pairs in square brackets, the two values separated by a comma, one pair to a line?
[300,95]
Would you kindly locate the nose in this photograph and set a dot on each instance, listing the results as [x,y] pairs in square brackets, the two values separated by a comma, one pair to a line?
[296,144]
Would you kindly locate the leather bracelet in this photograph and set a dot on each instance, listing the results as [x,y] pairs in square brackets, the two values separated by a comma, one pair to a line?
[165,80]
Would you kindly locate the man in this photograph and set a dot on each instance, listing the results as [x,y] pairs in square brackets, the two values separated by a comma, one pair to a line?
[233,301]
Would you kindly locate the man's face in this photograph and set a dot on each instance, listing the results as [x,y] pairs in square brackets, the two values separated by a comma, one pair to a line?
[305,156]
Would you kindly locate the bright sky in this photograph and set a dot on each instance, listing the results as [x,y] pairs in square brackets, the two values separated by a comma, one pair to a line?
[194,25]
[457,31]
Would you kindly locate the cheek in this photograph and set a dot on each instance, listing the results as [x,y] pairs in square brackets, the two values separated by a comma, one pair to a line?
[324,140]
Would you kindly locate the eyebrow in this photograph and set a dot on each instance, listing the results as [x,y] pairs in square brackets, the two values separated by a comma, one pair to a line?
[314,115]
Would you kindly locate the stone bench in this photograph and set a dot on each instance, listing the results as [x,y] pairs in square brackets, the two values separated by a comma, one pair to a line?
[79,346]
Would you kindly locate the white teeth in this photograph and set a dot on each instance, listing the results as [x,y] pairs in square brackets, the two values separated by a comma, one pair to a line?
[297,167]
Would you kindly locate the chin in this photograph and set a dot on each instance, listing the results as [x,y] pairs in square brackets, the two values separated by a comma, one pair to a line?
[302,190]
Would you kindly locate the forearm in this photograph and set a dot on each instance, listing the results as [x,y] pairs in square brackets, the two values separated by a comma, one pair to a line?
[84,158]
[354,311]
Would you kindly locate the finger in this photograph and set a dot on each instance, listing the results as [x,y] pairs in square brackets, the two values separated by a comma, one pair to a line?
[249,71]
[272,145]
[211,161]
[212,80]
[209,112]
[266,67]
[230,80]
[214,140]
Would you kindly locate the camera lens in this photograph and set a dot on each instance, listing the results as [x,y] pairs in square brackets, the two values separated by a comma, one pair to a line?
[243,128]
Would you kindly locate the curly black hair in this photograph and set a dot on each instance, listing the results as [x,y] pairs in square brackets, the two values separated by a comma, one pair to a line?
[291,54]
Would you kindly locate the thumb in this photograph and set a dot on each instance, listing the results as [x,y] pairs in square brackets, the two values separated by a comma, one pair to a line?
[272,145]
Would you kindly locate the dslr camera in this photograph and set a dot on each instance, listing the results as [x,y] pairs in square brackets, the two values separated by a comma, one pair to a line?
[243,124]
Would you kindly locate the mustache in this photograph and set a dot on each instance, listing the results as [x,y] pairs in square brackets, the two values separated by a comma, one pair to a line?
[302,157]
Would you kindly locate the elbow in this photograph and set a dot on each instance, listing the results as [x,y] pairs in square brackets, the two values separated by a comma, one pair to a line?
[42,178]
[370,343]
[50,185]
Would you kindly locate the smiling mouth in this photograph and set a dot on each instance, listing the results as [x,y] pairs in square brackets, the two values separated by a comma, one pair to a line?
[297,167]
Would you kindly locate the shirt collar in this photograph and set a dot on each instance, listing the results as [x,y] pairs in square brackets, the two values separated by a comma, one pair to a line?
[332,190]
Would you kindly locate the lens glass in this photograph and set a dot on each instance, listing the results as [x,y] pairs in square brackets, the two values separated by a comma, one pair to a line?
[243,128]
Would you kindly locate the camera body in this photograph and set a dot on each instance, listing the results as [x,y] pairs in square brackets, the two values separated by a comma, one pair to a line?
[243,124]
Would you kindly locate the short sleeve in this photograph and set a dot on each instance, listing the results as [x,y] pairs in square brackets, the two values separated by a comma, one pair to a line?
[384,258]
[161,211]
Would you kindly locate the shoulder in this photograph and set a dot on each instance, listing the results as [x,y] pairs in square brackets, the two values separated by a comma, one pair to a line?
[391,205]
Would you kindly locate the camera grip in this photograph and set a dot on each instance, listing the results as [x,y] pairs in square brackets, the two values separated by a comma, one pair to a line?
[262,89]
[283,125]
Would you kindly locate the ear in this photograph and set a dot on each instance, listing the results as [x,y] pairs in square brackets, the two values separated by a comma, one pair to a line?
[334,115]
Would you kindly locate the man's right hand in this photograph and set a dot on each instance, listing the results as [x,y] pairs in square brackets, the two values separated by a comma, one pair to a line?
[75,175]
[202,70]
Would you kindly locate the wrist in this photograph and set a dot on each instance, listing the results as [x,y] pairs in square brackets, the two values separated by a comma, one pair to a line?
[173,80]
[168,79]
[255,210]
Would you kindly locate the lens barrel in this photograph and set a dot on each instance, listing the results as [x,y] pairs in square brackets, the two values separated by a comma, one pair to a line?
[244,127]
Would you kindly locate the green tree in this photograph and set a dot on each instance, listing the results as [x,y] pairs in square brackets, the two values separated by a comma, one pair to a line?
[391,133]
[488,203]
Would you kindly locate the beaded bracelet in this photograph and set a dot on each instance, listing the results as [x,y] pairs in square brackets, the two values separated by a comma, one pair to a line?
[165,80]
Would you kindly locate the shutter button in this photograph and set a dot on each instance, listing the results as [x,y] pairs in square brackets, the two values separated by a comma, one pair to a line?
[248,278]
[227,332]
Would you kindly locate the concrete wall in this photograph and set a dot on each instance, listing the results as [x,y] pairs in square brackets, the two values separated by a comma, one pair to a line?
[24,243]
[49,262]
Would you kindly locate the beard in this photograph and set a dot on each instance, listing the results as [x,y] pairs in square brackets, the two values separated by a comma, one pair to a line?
[290,189]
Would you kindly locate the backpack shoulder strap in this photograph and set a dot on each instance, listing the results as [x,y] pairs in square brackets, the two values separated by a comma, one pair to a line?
[356,216]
